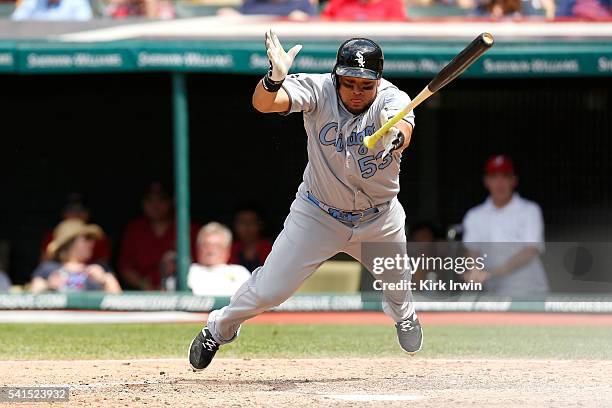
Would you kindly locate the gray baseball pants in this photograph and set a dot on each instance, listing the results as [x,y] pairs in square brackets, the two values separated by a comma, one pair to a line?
[310,237]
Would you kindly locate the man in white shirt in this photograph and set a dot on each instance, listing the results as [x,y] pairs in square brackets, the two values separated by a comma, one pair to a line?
[510,231]
[211,275]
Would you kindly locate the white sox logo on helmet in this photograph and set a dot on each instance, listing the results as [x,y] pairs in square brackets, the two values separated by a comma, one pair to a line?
[360,60]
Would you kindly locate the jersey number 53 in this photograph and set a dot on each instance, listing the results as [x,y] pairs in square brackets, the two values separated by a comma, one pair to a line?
[368,164]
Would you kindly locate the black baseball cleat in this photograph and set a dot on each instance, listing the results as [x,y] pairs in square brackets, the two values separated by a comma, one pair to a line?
[202,350]
[410,334]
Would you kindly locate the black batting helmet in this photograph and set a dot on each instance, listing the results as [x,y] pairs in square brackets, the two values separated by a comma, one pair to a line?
[359,57]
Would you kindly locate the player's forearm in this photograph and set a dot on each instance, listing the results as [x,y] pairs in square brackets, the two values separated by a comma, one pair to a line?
[269,96]
[263,100]
[267,102]
[406,129]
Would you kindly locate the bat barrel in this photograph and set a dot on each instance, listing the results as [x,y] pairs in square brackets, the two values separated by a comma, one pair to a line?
[462,61]
[451,71]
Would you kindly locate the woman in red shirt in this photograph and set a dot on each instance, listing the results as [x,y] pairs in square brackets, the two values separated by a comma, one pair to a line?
[365,10]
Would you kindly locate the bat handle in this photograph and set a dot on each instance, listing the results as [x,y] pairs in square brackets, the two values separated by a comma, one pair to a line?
[370,141]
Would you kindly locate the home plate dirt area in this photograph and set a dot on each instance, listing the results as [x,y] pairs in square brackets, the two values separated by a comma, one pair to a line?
[390,382]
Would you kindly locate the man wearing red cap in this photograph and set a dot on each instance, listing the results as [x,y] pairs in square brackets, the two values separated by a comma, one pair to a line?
[510,231]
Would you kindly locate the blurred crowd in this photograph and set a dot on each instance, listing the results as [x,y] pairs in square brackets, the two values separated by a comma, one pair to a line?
[301,10]
[77,255]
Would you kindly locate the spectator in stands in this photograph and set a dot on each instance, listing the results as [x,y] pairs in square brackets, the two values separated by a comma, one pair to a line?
[499,8]
[148,239]
[511,8]
[5,282]
[70,269]
[211,275]
[365,10]
[157,9]
[510,231]
[77,210]
[293,9]
[249,249]
[537,7]
[53,10]
[586,9]
[424,231]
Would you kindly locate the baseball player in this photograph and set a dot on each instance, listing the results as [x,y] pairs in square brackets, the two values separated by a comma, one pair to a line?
[348,195]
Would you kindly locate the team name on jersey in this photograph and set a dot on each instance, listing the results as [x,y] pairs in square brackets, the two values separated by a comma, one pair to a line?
[368,165]
[327,137]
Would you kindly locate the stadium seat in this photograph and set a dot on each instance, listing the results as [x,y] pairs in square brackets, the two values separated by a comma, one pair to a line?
[334,276]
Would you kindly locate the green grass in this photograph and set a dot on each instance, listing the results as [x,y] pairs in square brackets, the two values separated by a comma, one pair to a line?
[122,341]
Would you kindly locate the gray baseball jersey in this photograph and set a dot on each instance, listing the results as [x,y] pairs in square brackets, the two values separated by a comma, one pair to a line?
[341,171]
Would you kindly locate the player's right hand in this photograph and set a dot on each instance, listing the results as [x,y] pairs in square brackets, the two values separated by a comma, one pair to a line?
[280,61]
[393,139]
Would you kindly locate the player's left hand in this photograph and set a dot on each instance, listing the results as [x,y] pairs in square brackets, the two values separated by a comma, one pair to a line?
[280,60]
[393,139]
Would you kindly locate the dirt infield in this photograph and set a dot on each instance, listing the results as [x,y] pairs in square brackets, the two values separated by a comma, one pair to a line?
[439,318]
[322,382]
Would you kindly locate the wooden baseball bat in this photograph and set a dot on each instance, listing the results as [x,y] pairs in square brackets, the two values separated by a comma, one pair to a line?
[451,71]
